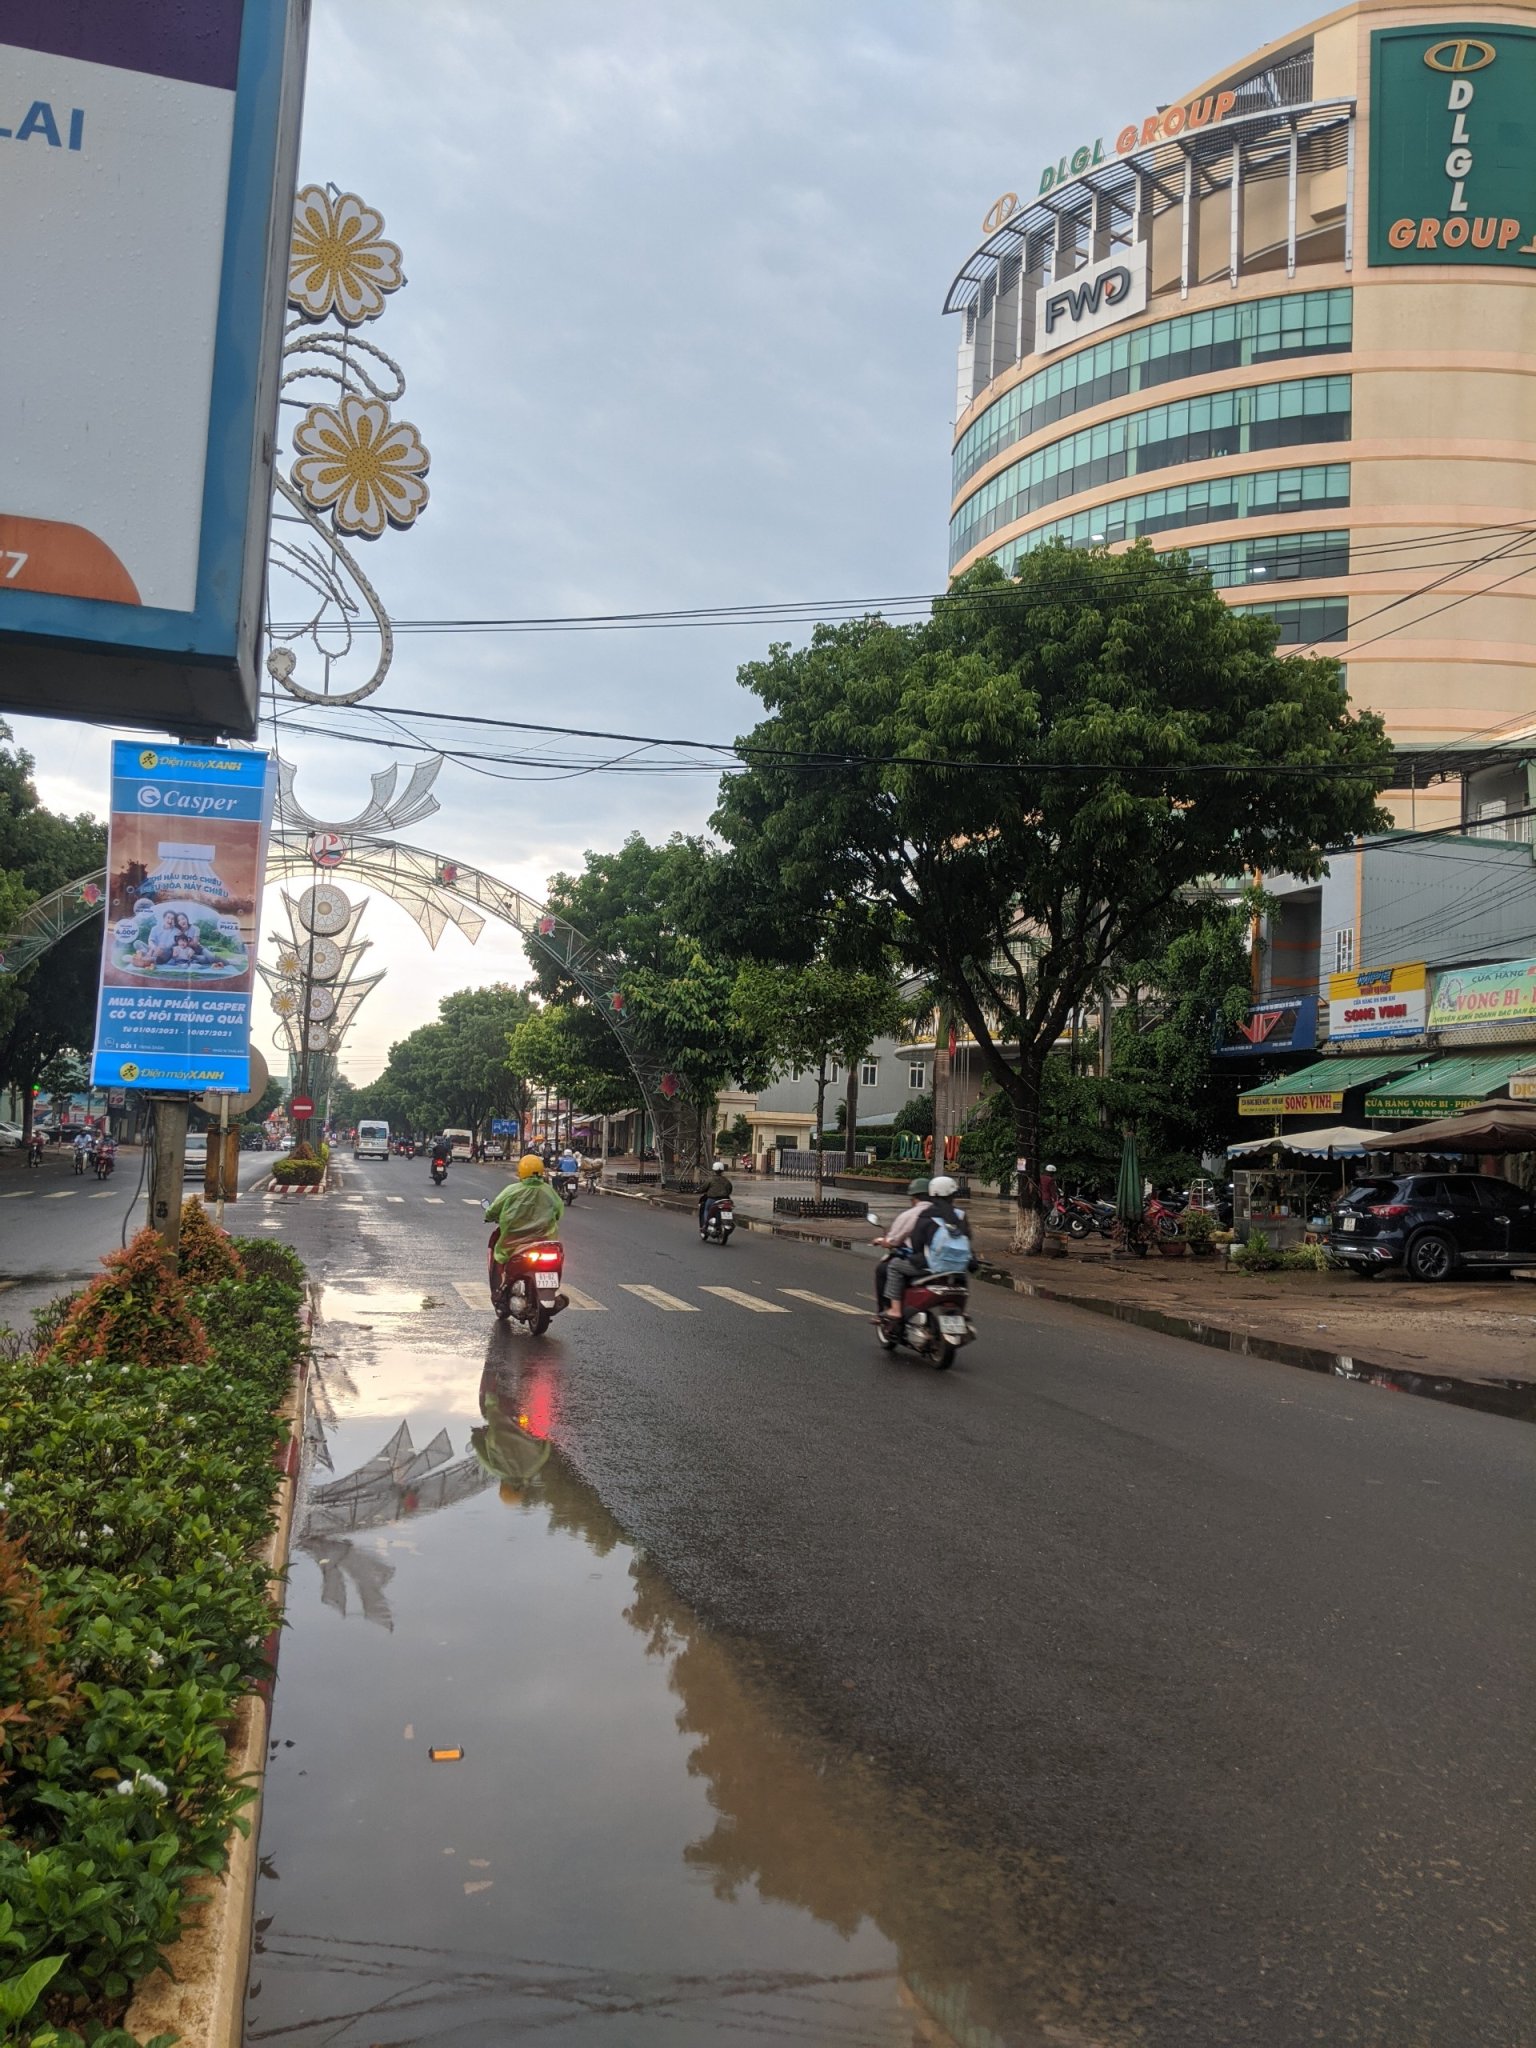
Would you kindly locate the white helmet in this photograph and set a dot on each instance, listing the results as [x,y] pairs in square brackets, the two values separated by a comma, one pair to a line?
[718,1167]
[942,1184]
[1049,1168]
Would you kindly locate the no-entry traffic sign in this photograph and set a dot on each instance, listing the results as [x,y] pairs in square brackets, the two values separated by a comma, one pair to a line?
[301,1107]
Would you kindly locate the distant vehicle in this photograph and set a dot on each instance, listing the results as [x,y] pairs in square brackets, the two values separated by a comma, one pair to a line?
[197,1156]
[371,1142]
[11,1134]
[495,1149]
[1433,1225]
[463,1143]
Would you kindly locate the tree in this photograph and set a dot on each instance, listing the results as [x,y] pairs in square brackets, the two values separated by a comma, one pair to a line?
[809,1016]
[1010,793]
[452,1071]
[554,1046]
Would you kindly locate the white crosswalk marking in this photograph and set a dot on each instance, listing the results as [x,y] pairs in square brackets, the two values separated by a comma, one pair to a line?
[843,1308]
[59,1195]
[103,1197]
[657,1299]
[472,1200]
[435,1200]
[18,1194]
[394,1198]
[577,1299]
[478,1296]
[752,1301]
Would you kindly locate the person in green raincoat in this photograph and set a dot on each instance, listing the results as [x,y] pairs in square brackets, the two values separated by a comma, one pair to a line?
[526,1211]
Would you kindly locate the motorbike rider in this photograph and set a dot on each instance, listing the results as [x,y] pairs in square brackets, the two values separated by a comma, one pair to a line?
[442,1149]
[569,1163]
[941,1213]
[716,1189]
[898,1238]
[85,1145]
[527,1211]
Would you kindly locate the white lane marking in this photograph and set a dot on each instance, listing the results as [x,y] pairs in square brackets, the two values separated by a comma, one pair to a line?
[577,1299]
[843,1308]
[436,1200]
[657,1299]
[479,1297]
[18,1195]
[752,1301]
[271,1223]
[103,1197]
[60,1195]
[472,1200]
[394,1198]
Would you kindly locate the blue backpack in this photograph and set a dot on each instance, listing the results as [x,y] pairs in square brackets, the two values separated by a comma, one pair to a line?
[948,1250]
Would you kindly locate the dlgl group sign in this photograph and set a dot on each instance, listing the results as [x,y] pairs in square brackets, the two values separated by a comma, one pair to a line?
[1453,179]
[148,169]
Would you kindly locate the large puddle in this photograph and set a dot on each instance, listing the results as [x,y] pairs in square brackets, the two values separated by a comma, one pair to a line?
[621,1842]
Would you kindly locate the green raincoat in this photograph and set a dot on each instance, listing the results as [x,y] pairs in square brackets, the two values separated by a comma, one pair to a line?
[524,1212]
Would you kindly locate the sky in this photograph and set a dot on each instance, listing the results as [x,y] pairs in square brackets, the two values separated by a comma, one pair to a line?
[672,334]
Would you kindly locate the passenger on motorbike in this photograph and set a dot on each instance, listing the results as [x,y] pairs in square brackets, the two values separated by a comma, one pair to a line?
[527,1211]
[716,1189]
[899,1238]
[940,1220]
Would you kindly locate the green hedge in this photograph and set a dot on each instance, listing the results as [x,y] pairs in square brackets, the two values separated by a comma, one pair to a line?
[133,1617]
[294,1171]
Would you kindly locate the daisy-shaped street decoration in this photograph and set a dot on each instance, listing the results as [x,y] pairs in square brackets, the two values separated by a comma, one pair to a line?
[340,261]
[363,467]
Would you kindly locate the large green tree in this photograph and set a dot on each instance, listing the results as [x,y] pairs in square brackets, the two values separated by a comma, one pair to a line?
[1008,794]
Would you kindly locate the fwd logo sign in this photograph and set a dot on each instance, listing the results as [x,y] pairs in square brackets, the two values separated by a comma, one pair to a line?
[1077,301]
[1090,299]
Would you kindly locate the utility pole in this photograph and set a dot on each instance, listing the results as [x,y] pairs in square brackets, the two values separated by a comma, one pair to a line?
[168,1165]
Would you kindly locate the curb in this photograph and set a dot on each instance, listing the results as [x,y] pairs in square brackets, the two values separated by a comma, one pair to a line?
[275,1187]
[1514,1400]
[200,1993]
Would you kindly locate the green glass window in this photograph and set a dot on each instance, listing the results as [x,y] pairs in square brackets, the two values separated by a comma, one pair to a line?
[1193,345]
[1304,620]
[1243,422]
[1265,492]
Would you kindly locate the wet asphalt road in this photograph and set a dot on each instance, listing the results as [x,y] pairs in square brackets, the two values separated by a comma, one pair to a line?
[1222,1667]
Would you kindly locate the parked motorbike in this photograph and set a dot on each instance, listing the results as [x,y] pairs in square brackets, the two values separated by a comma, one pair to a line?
[719,1222]
[1079,1218]
[934,1319]
[439,1172]
[567,1186]
[1163,1217]
[526,1287]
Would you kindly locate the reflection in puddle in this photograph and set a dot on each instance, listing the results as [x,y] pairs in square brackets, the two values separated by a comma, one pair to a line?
[634,1851]
[361,1300]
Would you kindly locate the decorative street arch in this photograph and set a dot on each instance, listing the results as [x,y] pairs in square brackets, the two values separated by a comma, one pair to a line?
[436,890]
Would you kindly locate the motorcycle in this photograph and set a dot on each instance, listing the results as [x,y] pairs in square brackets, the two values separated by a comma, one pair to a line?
[719,1222]
[1080,1218]
[1164,1217]
[526,1287]
[934,1319]
[104,1165]
[567,1186]
[439,1172]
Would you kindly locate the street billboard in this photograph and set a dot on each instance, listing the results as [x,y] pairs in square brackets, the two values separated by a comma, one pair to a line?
[149,175]
[1378,1002]
[186,855]
[1503,993]
[1452,172]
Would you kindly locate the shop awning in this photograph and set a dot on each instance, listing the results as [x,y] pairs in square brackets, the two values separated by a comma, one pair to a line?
[1319,1090]
[1344,1141]
[1446,1086]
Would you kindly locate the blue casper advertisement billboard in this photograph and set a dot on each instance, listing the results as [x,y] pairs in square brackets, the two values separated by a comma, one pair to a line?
[185,860]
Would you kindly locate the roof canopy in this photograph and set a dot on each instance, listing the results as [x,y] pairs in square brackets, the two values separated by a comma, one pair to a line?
[1490,1127]
[1315,1090]
[1447,1086]
[1338,1141]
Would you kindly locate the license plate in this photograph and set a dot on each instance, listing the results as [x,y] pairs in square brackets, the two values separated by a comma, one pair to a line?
[547,1283]
[952,1326]
[1347,1222]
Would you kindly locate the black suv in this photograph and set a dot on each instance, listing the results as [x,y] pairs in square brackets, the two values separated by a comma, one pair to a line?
[1433,1225]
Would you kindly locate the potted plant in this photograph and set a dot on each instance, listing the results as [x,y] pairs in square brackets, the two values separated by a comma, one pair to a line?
[1171,1247]
[1197,1227]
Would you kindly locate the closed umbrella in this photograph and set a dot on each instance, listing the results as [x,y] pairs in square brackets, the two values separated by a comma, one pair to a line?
[1129,1200]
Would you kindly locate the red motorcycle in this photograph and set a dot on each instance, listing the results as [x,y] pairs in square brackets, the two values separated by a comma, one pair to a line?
[526,1287]
[934,1322]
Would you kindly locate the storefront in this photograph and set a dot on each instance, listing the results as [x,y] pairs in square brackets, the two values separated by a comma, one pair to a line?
[1335,1089]
[1285,1186]
[1446,1086]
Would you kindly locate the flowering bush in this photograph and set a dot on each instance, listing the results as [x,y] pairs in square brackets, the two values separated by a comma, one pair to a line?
[132,1618]
[137,1313]
[206,1252]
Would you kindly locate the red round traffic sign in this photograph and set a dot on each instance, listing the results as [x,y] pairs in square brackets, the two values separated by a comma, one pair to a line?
[301,1107]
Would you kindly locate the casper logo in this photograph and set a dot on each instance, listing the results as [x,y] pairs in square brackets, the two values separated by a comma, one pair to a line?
[1090,299]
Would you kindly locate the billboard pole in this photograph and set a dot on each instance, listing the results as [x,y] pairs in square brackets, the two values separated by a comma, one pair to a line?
[168,1168]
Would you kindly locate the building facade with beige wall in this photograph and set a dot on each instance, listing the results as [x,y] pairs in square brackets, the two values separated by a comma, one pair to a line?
[1288,321]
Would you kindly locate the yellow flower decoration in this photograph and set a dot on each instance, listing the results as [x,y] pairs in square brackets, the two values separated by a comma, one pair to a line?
[354,458]
[339,260]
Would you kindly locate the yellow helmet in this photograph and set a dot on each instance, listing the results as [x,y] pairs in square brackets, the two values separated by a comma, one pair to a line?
[530,1166]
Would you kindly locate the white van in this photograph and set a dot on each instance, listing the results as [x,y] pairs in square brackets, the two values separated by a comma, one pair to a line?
[462,1143]
[196,1167]
[371,1142]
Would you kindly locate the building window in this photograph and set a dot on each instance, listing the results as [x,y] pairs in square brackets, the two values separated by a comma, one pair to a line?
[1304,620]
[917,1075]
[835,1073]
[1217,423]
[1193,345]
[1259,494]
[1344,949]
[869,1073]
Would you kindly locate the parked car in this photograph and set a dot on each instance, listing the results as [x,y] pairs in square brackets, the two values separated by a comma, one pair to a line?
[10,1134]
[197,1156]
[1433,1225]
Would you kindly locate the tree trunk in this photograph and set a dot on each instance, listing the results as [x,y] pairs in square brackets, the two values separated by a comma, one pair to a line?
[851,1129]
[821,1109]
[1029,1215]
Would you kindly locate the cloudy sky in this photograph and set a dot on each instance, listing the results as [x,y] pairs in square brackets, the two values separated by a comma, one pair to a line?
[672,334]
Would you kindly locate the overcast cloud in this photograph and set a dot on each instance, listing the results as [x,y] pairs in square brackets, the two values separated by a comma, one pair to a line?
[672,334]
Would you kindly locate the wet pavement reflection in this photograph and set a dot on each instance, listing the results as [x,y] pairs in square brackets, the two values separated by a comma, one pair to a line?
[628,1839]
